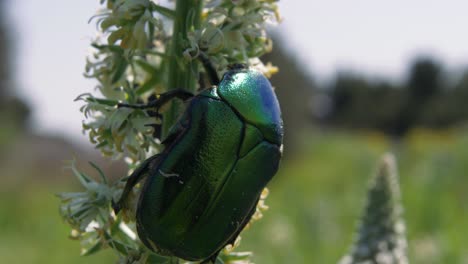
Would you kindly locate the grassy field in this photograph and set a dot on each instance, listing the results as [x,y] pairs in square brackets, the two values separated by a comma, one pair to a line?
[315,201]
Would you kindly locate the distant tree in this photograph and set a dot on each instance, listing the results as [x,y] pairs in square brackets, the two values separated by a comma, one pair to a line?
[359,103]
[449,107]
[388,100]
[14,112]
[458,97]
[350,95]
[5,77]
[425,81]
[424,100]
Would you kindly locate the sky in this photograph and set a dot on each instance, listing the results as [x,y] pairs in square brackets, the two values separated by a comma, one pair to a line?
[375,37]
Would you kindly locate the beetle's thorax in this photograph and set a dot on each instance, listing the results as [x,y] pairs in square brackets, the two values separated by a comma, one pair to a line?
[252,96]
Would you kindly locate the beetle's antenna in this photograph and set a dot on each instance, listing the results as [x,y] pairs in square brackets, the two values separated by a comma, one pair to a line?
[209,67]
[161,100]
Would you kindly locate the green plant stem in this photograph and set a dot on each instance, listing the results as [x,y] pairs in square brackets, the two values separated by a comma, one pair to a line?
[182,74]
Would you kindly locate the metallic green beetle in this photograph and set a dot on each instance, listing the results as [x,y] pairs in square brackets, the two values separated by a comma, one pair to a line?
[202,190]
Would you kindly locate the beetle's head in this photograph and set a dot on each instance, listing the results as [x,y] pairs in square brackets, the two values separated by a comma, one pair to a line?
[251,95]
[237,66]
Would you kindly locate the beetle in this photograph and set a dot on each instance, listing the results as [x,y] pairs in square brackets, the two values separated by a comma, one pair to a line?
[203,188]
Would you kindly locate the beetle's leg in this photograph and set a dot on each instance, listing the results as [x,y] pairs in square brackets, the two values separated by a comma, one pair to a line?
[212,259]
[156,103]
[157,129]
[210,69]
[137,175]
[161,100]
[202,82]
[155,114]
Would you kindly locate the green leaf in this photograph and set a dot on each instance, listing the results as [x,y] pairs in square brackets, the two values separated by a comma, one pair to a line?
[169,13]
[157,53]
[158,259]
[95,248]
[147,67]
[121,66]
[108,22]
[117,245]
[116,35]
[101,173]
[102,144]
[113,48]
[148,85]
[83,178]
[87,97]
[236,256]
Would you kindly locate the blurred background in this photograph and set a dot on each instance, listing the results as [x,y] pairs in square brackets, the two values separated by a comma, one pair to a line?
[356,80]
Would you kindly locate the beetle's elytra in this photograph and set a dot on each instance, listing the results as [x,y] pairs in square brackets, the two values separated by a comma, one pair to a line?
[202,189]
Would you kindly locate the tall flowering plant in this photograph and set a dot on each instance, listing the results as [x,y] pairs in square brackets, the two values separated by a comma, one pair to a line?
[146,48]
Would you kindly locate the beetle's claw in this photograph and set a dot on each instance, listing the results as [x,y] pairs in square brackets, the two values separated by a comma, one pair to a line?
[116,206]
[123,105]
[155,113]
[212,259]
[157,130]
